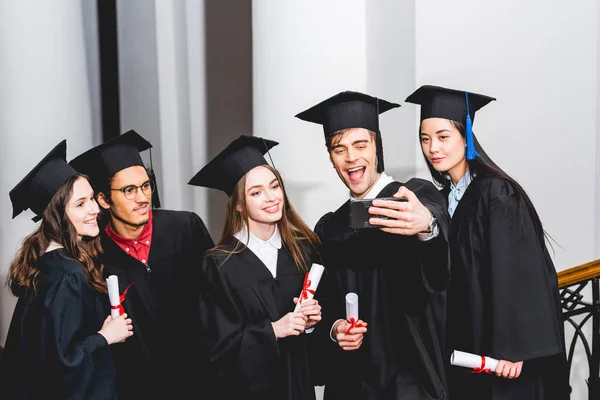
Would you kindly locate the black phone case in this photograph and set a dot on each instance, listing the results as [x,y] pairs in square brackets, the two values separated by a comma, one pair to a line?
[359,212]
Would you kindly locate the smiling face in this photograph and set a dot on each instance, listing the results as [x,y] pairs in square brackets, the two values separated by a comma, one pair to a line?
[354,158]
[444,147]
[264,199]
[82,209]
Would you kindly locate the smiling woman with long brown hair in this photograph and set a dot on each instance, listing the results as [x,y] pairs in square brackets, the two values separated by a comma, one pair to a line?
[57,343]
[253,334]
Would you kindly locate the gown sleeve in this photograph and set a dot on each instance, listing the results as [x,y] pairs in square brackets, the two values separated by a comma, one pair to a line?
[433,254]
[525,323]
[239,352]
[62,333]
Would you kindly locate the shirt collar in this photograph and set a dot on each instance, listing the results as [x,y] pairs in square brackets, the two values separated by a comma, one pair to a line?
[459,190]
[256,243]
[382,182]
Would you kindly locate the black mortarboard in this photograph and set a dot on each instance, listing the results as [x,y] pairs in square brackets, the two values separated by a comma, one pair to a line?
[350,110]
[229,166]
[439,102]
[39,186]
[100,163]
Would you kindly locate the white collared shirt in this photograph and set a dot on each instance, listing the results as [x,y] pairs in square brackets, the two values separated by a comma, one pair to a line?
[383,181]
[266,251]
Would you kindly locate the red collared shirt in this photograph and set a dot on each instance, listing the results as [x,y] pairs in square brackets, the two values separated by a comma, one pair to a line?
[137,248]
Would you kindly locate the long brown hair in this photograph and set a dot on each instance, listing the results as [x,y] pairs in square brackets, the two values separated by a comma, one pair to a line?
[56,227]
[294,231]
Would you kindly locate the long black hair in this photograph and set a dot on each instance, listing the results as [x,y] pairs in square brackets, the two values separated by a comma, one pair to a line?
[484,165]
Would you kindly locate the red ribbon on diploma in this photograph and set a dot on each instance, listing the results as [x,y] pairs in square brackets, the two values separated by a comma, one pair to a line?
[121,298]
[482,368]
[353,324]
[306,289]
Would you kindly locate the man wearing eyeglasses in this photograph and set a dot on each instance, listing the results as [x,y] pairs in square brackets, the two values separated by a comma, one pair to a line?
[156,254]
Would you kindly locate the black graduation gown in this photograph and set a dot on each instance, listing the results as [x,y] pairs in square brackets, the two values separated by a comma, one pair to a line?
[161,359]
[396,278]
[503,299]
[238,302]
[53,348]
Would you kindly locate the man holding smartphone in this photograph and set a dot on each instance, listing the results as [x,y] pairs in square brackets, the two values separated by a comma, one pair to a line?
[399,268]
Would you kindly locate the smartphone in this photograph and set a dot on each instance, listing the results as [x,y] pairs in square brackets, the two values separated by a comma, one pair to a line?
[359,212]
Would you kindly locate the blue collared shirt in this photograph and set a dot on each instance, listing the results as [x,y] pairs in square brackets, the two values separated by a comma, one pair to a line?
[457,192]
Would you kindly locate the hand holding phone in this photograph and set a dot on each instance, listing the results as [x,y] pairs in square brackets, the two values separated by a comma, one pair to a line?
[359,212]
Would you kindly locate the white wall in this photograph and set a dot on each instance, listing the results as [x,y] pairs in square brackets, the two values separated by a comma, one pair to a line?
[45,98]
[307,51]
[161,72]
[539,59]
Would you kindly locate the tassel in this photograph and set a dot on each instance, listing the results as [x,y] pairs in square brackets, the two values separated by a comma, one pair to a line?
[379,152]
[471,152]
[155,201]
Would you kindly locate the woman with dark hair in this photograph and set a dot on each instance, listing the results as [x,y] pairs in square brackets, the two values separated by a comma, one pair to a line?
[57,343]
[503,297]
[254,337]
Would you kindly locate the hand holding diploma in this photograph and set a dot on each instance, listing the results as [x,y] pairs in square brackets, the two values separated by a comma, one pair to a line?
[349,333]
[116,308]
[305,303]
[311,282]
[488,365]
[352,311]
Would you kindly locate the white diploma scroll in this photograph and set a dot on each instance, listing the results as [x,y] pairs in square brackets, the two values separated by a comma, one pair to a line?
[476,362]
[113,295]
[351,307]
[311,281]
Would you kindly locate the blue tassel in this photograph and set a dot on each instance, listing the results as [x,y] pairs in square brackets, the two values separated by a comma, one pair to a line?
[471,152]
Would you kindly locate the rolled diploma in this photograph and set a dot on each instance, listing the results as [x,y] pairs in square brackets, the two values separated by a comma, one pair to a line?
[468,360]
[314,277]
[351,306]
[113,295]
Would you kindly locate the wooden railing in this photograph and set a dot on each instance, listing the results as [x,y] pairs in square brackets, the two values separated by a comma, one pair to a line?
[579,274]
[571,283]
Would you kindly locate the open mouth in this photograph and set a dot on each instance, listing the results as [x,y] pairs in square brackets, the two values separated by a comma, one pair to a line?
[91,222]
[272,209]
[355,174]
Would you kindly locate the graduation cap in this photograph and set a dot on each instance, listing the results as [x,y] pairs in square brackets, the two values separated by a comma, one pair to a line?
[439,102]
[229,166]
[102,162]
[348,110]
[39,186]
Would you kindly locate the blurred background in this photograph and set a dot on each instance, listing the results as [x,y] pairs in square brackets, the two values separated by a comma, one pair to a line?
[191,75]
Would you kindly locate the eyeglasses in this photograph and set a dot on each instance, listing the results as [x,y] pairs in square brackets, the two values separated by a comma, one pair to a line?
[131,191]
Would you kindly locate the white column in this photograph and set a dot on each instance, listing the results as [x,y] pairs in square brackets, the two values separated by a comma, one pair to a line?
[597,154]
[161,65]
[44,99]
[306,51]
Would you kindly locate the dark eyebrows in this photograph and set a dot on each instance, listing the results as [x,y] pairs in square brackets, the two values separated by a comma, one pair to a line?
[353,143]
[259,186]
[132,185]
[438,132]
